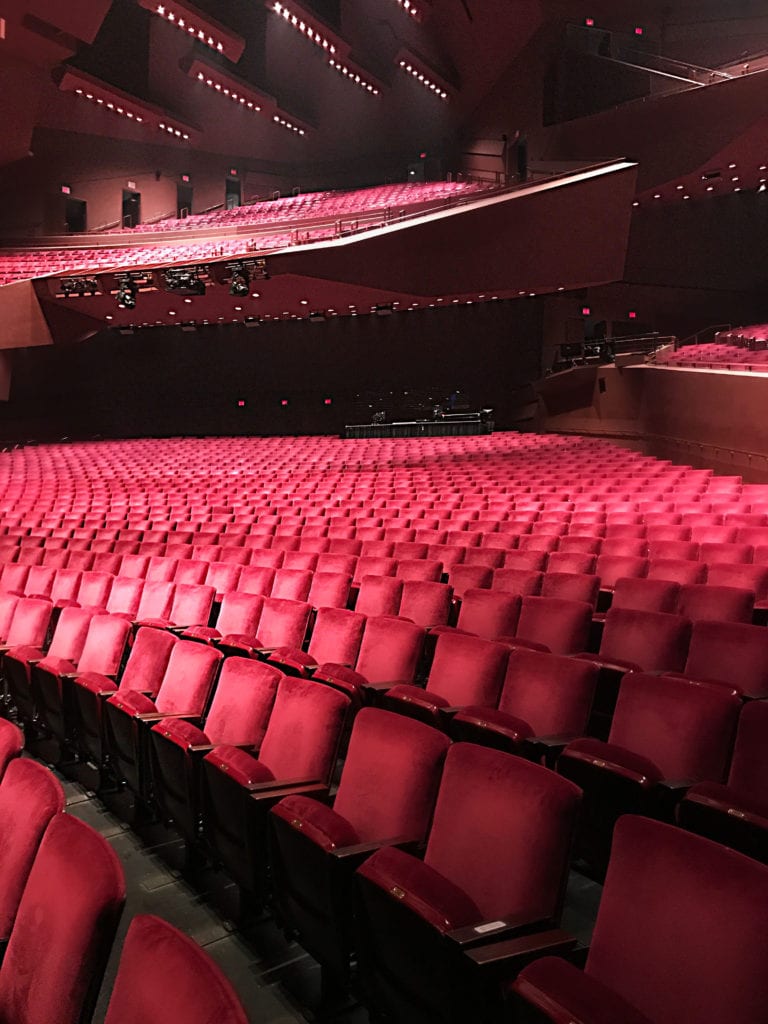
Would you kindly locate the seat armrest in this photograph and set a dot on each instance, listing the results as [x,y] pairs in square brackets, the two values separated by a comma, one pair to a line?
[547,748]
[499,928]
[356,854]
[506,959]
[157,716]
[206,748]
[262,793]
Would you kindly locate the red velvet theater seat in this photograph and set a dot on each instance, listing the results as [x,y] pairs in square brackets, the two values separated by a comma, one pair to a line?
[386,793]
[143,671]
[30,796]
[11,744]
[730,652]
[426,603]
[298,752]
[64,928]
[496,860]
[237,621]
[736,812]
[667,733]
[379,595]
[465,670]
[680,936]
[184,691]
[489,613]
[336,638]
[554,624]
[102,653]
[164,976]
[238,715]
[716,603]
[571,586]
[545,701]
[67,643]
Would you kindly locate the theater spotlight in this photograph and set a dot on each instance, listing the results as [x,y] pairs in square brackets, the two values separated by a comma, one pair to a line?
[126,294]
[185,280]
[238,285]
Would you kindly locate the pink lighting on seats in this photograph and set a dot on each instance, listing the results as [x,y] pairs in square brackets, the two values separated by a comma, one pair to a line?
[198,26]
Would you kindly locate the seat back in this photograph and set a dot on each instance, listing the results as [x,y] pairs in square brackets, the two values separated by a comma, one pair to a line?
[156,600]
[561,626]
[239,614]
[257,579]
[148,660]
[654,641]
[467,670]
[390,650]
[645,595]
[105,644]
[163,975]
[304,730]
[242,702]
[125,595]
[685,728]
[192,604]
[283,623]
[379,595]
[553,694]
[30,795]
[732,653]
[188,679]
[489,613]
[749,765]
[667,895]
[571,586]
[391,775]
[426,603]
[329,590]
[510,853]
[677,570]
[723,604]
[70,633]
[71,904]
[337,636]
[94,589]
[291,584]
[11,743]
[31,618]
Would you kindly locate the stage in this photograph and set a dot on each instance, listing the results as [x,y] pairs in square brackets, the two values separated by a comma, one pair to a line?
[449,425]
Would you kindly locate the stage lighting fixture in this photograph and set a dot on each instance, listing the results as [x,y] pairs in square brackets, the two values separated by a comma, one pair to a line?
[70,286]
[238,284]
[185,280]
[126,294]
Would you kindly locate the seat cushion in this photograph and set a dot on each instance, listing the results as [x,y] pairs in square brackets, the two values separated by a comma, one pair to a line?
[422,889]
[563,992]
[241,766]
[619,759]
[317,822]
[180,732]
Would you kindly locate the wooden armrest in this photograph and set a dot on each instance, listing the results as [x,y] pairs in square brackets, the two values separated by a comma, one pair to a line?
[157,716]
[359,852]
[262,793]
[507,958]
[499,928]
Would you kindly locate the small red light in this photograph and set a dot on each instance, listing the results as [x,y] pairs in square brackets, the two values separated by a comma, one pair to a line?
[327,401]
[589,22]
[283,401]
[233,172]
[422,156]
[638,30]
[586,310]
[632,315]
[66,190]
[241,403]
[185,178]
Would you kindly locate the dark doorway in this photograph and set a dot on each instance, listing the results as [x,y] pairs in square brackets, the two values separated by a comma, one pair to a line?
[183,200]
[75,214]
[131,208]
[234,194]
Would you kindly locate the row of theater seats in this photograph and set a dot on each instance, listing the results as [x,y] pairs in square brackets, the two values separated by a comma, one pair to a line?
[215,739]
[716,356]
[433,933]
[22,264]
[314,205]
[61,901]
